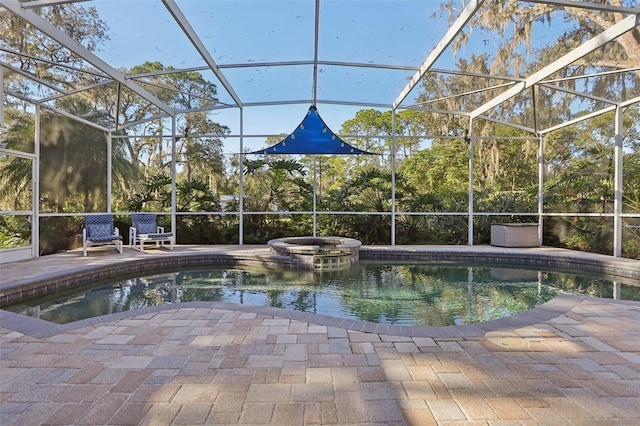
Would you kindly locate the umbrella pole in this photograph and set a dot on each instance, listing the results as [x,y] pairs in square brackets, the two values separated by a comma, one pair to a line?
[314,195]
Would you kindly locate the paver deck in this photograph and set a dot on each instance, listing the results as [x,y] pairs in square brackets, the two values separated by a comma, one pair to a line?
[575,361]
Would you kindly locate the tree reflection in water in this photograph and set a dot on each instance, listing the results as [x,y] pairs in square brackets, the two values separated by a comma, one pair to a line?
[425,294]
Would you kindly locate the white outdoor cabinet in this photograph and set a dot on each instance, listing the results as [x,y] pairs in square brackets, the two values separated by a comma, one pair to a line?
[514,234]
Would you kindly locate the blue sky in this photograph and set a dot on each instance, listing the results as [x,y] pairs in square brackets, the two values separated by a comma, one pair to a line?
[142,30]
[391,32]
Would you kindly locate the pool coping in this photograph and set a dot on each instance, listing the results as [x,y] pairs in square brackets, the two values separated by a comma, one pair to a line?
[51,273]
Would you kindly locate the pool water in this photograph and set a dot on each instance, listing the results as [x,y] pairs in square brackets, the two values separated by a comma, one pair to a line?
[405,294]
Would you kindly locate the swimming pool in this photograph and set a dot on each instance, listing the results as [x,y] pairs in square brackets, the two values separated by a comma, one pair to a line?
[412,293]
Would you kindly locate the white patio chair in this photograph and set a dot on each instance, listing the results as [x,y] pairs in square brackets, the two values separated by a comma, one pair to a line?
[99,230]
[144,229]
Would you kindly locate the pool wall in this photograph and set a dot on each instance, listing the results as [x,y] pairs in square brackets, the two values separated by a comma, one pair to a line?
[70,269]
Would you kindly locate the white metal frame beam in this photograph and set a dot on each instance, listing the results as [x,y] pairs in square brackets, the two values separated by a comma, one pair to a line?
[618,182]
[188,30]
[459,95]
[316,37]
[77,90]
[453,31]
[602,7]
[42,3]
[47,28]
[31,77]
[53,63]
[577,93]
[302,63]
[2,97]
[35,189]
[593,114]
[74,117]
[630,102]
[604,37]
[19,96]
[579,119]
[506,123]
[594,74]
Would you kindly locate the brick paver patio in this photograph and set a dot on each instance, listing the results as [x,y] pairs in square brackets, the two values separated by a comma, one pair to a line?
[211,364]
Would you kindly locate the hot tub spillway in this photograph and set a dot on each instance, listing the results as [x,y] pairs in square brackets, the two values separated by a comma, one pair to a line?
[318,253]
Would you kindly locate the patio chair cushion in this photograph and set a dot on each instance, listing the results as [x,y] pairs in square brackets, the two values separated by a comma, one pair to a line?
[161,235]
[105,238]
[100,231]
[146,228]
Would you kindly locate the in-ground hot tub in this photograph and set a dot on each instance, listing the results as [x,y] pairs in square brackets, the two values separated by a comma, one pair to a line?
[318,253]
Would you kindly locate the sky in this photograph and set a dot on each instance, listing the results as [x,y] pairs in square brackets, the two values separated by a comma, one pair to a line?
[391,32]
[142,30]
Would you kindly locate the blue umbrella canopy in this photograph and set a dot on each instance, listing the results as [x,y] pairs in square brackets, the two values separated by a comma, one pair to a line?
[312,136]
